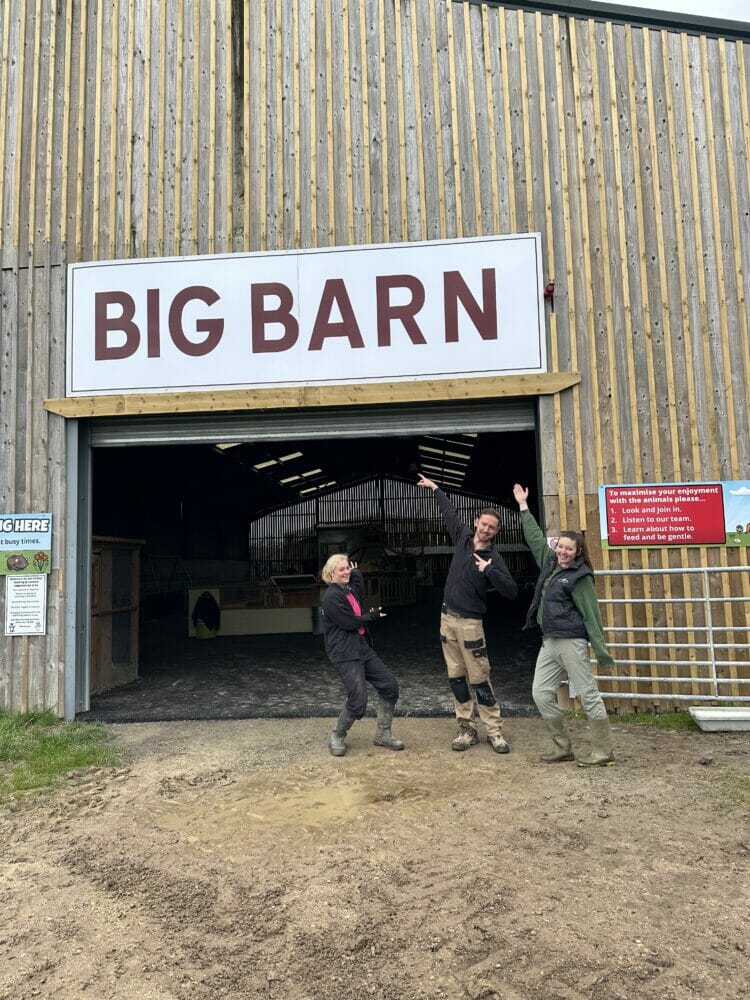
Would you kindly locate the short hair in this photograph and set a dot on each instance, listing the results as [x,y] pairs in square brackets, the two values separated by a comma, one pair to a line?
[331,563]
[491,512]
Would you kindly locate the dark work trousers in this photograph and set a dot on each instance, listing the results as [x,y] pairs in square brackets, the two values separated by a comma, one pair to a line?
[356,674]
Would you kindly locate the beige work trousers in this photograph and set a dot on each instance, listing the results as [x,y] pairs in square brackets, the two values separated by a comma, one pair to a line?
[465,653]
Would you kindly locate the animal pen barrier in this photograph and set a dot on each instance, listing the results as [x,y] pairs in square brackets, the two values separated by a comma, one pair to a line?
[696,614]
[403,518]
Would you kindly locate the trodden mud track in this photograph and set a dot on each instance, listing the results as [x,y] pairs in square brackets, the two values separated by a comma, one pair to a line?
[239,860]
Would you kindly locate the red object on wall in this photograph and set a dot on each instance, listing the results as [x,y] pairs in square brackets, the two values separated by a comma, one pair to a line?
[678,514]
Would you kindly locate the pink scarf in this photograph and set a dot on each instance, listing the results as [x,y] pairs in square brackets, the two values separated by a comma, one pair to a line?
[356,609]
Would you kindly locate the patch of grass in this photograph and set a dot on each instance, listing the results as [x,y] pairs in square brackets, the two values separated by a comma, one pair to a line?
[656,720]
[37,749]
[735,789]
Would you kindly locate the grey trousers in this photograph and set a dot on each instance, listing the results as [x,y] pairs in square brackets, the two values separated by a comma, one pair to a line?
[558,658]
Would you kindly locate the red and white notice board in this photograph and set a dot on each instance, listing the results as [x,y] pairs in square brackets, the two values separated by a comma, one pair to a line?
[656,514]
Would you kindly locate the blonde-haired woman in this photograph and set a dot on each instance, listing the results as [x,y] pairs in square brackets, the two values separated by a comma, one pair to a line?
[349,649]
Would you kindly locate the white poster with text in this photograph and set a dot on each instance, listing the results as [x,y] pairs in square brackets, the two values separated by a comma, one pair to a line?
[26,604]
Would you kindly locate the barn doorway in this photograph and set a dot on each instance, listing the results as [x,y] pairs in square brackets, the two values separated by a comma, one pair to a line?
[203,514]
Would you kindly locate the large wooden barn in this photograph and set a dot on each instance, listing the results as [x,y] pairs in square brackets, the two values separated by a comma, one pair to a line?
[595,167]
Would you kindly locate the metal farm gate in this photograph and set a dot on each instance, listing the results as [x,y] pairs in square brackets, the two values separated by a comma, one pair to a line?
[677,635]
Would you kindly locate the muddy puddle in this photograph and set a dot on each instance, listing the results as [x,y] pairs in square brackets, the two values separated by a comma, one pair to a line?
[226,810]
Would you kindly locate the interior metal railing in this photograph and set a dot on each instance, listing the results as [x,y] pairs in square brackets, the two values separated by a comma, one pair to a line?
[697,628]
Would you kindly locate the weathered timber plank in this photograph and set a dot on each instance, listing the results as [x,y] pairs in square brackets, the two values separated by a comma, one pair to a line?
[290,397]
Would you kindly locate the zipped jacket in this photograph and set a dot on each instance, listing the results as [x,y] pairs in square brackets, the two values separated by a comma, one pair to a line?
[340,624]
[466,588]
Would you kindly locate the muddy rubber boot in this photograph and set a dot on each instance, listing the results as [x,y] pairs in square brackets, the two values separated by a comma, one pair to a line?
[336,743]
[383,736]
[600,754]
[562,749]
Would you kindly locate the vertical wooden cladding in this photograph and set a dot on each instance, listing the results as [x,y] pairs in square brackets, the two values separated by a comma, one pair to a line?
[146,127]
[120,140]
[32,123]
[159,127]
[115,141]
[359,143]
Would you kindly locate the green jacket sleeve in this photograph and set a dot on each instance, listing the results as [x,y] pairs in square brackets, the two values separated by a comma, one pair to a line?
[584,598]
[535,540]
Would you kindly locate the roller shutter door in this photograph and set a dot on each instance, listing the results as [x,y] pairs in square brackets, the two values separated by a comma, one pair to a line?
[315,423]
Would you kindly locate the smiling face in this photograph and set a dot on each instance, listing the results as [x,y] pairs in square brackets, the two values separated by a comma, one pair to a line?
[566,551]
[341,572]
[485,528]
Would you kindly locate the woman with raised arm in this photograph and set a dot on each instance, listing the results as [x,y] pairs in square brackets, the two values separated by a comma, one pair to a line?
[349,649]
[566,609]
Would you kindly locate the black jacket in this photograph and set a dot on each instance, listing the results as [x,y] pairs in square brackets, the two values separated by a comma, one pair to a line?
[466,588]
[561,619]
[340,624]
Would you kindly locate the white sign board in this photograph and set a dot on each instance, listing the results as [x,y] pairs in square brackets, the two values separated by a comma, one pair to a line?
[446,309]
[26,604]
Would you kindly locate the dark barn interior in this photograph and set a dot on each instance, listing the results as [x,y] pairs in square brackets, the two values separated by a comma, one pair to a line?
[251,524]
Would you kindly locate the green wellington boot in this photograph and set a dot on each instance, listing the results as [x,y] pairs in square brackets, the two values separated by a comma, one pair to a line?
[561,746]
[600,754]
[383,736]
[336,743]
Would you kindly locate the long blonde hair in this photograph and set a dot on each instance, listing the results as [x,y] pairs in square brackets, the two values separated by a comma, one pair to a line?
[331,562]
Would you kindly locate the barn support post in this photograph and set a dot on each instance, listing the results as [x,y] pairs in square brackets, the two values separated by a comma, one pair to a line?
[77,582]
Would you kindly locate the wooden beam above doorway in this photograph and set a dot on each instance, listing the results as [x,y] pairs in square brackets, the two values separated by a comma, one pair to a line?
[292,397]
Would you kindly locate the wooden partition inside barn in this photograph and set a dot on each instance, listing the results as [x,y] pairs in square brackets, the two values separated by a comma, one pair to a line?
[115,611]
[137,129]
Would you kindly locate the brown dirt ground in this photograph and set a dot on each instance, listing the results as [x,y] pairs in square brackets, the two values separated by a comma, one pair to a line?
[240,860]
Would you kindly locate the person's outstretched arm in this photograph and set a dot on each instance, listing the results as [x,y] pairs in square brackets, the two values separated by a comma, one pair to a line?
[532,533]
[453,522]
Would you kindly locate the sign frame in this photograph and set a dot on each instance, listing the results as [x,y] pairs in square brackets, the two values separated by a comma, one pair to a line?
[675,515]
[25,544]
[26,605]
[356,315]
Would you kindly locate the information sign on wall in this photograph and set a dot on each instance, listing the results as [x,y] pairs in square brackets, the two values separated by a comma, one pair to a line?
[26,605]
[656,514]
[404,311]
[25,544]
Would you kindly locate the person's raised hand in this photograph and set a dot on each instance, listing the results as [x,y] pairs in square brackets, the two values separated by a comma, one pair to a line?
[521,494]
[427,483]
